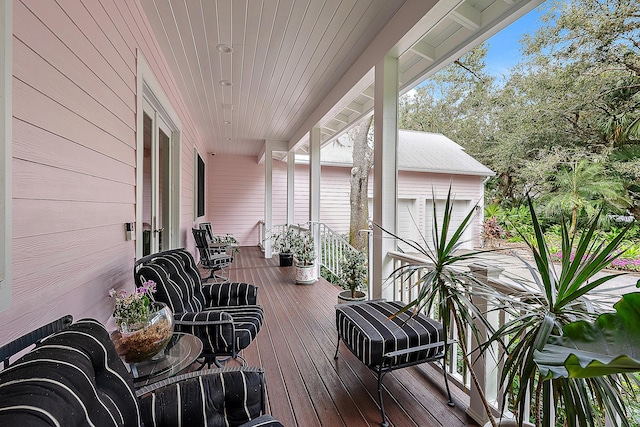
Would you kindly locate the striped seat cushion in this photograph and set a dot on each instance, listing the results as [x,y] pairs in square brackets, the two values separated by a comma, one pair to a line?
[368,331]
[218,327]
[72,378]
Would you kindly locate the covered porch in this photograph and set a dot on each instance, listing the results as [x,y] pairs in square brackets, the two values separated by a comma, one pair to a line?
[305,385]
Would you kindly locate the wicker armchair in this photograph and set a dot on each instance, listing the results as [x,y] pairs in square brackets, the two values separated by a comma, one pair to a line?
[224,316]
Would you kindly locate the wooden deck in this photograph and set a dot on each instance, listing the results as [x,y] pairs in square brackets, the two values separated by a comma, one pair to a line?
[305,385]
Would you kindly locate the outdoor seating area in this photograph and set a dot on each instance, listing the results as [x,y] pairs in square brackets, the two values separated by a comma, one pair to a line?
[287,370]
[75,377]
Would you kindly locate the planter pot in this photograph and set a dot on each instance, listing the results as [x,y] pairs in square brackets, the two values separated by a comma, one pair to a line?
[508,422]
[305,274]
[140,342]
[345,296]
[286,259]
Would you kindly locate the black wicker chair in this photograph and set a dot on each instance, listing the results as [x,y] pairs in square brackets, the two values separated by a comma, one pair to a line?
[75,377]
[224,316]
[211,258]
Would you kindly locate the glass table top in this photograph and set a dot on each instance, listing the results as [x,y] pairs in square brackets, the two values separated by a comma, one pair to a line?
[181,351]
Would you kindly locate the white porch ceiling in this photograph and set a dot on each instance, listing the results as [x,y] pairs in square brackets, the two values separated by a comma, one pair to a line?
[288,55]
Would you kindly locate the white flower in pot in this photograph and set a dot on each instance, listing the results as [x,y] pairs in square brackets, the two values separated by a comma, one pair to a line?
[353,275]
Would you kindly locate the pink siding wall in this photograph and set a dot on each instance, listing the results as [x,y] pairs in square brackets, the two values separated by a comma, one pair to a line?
[74,156]
[235,195]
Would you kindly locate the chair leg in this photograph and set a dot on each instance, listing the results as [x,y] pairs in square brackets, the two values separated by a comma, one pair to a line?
[446,383]
[335,356]
[384,422]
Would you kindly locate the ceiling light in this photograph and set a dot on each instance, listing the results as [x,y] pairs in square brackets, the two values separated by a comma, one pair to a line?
[227,139]
[227,122]
[224,48]
[225,83]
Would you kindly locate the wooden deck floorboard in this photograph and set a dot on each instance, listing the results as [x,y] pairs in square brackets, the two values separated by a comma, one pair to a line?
[305,385]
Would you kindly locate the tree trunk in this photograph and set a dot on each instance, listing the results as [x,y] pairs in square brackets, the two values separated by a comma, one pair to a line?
[359,201]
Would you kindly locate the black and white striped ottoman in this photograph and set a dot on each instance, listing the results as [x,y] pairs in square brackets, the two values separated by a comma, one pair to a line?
[385,342]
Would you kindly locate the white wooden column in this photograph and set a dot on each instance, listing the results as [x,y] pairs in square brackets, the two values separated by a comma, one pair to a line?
[291,187]
[314,175]
[384,171]
[268,196]
[269,148]
[314,188]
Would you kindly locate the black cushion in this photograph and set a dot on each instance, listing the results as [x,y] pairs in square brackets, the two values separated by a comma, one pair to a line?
[72,378]
[371,330]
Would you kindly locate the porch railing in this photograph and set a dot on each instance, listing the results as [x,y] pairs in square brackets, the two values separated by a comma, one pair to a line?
[330,246]
[486,367]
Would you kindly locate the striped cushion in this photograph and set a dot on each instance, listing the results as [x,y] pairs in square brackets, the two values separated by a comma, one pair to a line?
[369,333]
[226,294]
[231,397]
[217,328]
[72,378]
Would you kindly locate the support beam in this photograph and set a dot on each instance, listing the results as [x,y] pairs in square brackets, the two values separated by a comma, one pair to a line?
[268,195]
[291,185]
[314,187]
[467,16]
[385,171]
[269,148]
[425,50]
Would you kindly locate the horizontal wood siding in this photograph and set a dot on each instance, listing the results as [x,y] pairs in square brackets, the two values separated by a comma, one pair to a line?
[334,202]
[235,196]
[74,155]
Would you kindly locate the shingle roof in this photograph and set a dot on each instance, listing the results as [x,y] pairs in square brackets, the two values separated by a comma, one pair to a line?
[417,151]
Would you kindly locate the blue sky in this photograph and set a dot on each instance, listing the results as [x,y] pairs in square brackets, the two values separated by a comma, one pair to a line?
[504,47]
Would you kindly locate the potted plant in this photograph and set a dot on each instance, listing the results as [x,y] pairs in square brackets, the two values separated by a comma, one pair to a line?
[144,326]
[445,289]
[283,245]
[304,252]
[353,275]
[537,322]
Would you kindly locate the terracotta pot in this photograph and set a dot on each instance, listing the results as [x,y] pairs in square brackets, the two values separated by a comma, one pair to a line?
[345,296]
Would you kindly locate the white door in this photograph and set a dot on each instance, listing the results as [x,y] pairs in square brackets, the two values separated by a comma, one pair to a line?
[158,183]
[459,212]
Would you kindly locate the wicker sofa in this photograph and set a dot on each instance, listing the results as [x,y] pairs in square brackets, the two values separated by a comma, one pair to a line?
[75,378]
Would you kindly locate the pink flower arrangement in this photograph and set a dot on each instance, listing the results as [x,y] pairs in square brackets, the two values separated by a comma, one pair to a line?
[135,308]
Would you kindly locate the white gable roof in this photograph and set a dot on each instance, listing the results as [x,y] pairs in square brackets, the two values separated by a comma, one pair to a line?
[417,151]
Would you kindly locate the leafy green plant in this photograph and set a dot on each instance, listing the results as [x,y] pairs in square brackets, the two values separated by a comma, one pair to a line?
[353,271]
[443,288]
[303,247]
[560,299]
[283,242]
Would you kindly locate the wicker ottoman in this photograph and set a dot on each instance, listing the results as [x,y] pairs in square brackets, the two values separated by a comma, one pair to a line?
[385,344]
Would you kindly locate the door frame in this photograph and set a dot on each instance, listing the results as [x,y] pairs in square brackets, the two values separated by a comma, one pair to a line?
[149,92]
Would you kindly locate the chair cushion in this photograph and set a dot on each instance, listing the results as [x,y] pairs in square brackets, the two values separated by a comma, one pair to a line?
[174,286]
[72,378]
[369,331]
[230,396]
[217,327]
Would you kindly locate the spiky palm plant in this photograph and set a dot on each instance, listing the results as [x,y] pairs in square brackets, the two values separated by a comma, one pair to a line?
[560,300]
[443,287]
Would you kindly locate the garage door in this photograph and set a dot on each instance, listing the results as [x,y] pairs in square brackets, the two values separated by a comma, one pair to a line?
[408,221]
[460,211]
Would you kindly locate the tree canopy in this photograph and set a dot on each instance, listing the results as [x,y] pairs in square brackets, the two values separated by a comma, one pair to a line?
[573,100]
